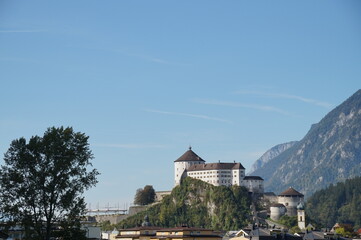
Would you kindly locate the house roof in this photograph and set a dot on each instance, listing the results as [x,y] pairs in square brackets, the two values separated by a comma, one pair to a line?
[252,178]
[189,156]
[277,205]
[260,232]
[314,235]
[215,166]
[140,228]
[183,228]
[288,236]
[290,192]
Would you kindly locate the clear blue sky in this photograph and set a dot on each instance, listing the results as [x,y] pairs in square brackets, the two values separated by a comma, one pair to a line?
[146,79]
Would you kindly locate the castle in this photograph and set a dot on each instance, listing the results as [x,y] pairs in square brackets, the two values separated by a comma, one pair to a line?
[290,202]
[217,174]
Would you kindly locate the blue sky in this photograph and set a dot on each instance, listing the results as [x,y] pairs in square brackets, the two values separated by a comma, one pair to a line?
[146,79]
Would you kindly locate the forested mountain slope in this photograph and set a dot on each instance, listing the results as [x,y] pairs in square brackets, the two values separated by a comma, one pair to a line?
[338,203]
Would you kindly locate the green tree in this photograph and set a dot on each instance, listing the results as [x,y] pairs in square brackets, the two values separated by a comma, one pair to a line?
[144,196]
[288,221]
[42,182]
[343,232]
[106,226]
[295,229]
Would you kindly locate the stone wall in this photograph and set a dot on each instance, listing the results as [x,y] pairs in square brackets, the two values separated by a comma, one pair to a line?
[112,218]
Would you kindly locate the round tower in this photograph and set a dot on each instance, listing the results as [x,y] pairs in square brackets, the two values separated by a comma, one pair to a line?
[277,210]
[181,165]
[290,198]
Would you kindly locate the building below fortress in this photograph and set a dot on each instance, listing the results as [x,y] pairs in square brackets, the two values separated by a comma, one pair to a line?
[217,174]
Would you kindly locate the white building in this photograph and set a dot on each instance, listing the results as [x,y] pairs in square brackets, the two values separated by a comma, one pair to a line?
[218,174]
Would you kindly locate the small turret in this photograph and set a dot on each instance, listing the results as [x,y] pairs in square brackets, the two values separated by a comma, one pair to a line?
[300,206]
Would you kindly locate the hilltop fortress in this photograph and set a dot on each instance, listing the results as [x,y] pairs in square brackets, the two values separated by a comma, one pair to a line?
[218,174]
[290,202]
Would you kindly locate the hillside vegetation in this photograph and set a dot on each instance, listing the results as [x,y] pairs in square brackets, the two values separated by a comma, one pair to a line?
[338,203]
[198,204]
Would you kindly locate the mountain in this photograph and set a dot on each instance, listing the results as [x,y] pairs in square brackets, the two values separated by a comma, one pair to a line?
[338,203]
[270,154]
[329,153]
[198,204]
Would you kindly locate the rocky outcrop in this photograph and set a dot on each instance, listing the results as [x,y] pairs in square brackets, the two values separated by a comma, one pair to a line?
[330,152]
[270,154]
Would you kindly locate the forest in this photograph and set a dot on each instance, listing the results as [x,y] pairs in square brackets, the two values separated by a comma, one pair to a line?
[337,203]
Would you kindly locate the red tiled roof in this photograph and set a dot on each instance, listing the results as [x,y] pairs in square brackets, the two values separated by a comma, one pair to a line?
[277,205]
[189,156]
[290,192]
[215,166]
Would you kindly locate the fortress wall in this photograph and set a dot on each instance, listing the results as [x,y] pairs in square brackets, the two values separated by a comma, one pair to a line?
[113,218]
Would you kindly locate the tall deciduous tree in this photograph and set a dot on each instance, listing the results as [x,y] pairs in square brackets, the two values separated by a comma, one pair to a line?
[144,196]
[42,181]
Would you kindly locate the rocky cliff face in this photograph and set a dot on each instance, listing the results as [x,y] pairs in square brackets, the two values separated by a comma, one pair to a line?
[329,153]
[270,154]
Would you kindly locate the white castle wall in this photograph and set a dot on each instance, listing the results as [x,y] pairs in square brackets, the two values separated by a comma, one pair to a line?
[291,203]
[180,167]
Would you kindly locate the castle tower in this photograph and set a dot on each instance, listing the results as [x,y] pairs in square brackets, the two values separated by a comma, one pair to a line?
[277,211]
[290,199]
[181,165]
[301,216]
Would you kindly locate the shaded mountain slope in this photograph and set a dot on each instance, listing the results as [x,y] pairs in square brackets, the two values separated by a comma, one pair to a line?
[270,154]
[329,153]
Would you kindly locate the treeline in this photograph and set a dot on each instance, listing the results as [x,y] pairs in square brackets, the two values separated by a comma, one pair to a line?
[198,204]
[338,203]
